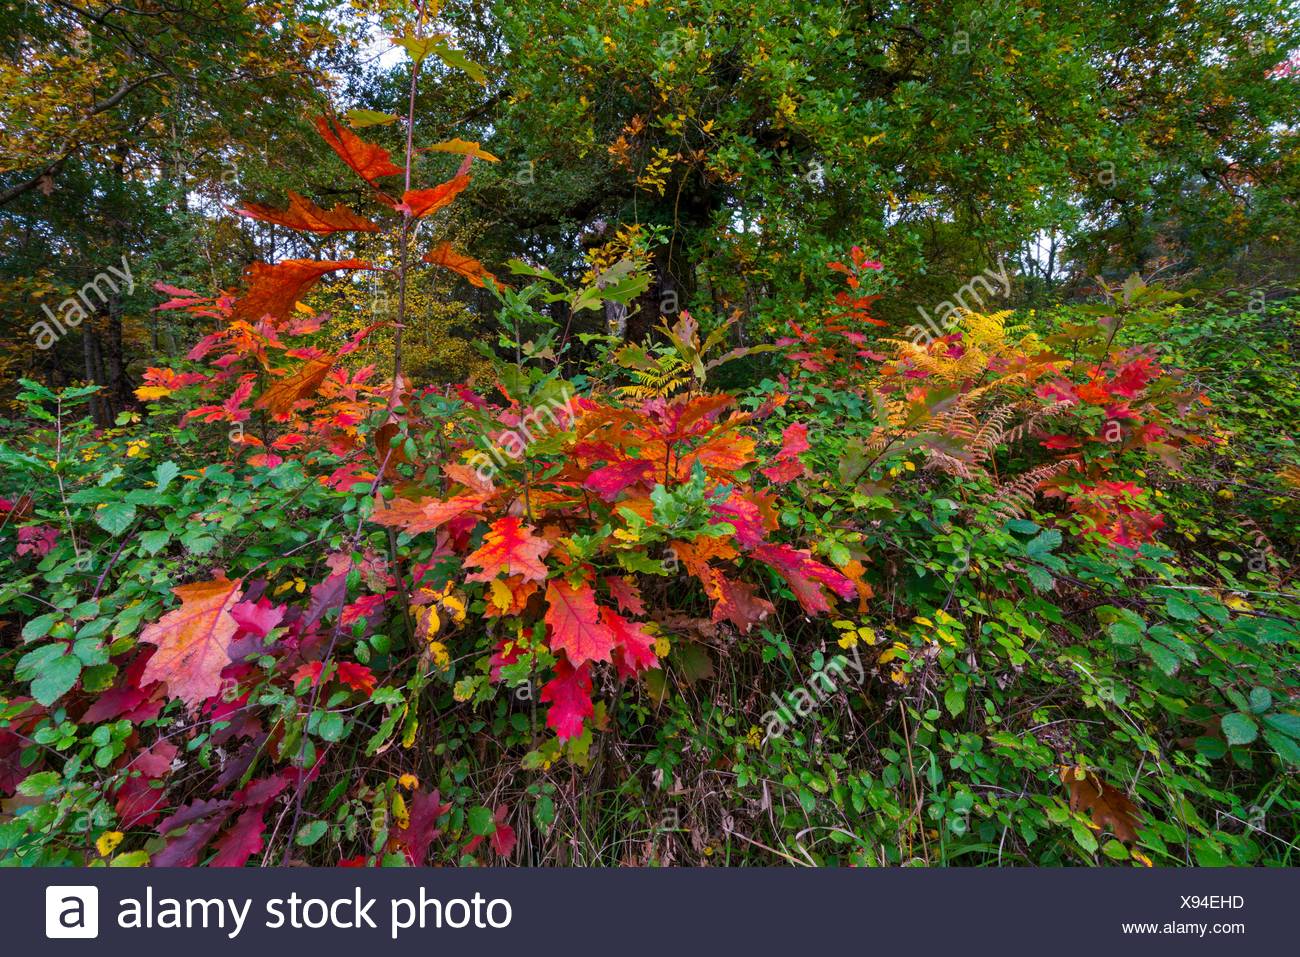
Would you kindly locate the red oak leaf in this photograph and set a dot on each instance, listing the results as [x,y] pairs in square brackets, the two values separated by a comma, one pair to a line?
[503,838]
[194,640]
[576,628]
[357,677]
[422,202]
[469,268]
[422,827]
[635,651]
[512,548]
[805,576]
[281,396]
[626,594]
[609,481]
[273,290]
[243,840]
[257,618]
[736,602]
[306,216]
[368,160]
[787,467]
[569,695]
[425,515]
[138,802]
[744,516]
[200,820]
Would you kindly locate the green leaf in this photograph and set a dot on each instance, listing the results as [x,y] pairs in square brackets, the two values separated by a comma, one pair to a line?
[458,61]
[1261,699]
[1239,728]
[330,726]
[39,784]
[481,821]
[359,119]
[310,833]
[1164,659]
[1084,836]
[115,517]
[1036,548]
[1287,748]
[154,540]
[1039,578]
[1178,607]
[164,473]
[954,701]
[417,48]
[56,679]
[1286,723]
[1212,748]
[1124,632]
[40,627]
[131,859]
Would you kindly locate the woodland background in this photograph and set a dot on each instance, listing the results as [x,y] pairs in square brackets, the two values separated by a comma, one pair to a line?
[1131,169]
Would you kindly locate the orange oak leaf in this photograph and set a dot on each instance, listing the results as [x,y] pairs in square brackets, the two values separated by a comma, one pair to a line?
[422,202]
[736,602]
[728,451]
[368,160]
[510,547]
[576,626]
[509,596]
[194,640]
[306,216]
[426,514]
[280,397]
[471,269]
[1109,807]
[272,290]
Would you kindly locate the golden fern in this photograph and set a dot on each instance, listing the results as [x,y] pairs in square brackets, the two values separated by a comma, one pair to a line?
[983,337]
[1014,498]
[670,373]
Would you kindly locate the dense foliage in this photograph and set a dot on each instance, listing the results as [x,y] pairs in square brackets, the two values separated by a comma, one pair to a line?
[755,572]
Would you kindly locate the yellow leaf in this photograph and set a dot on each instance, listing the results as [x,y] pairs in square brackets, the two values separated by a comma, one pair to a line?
[400,814]
[463,148]
[108,842]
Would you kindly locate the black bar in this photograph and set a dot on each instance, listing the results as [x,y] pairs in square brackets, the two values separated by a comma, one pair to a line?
[667,913]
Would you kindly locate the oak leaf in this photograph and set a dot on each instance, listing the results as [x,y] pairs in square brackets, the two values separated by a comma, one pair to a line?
[805,576]
[512,548]
[1109,807]
[575,621]
[273,290]
[426,514]
[466,266]
[569,695]
[304,215]
[194,640]
[462,147]
[422,202]
[635,649]
[280,397]
[368,160]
